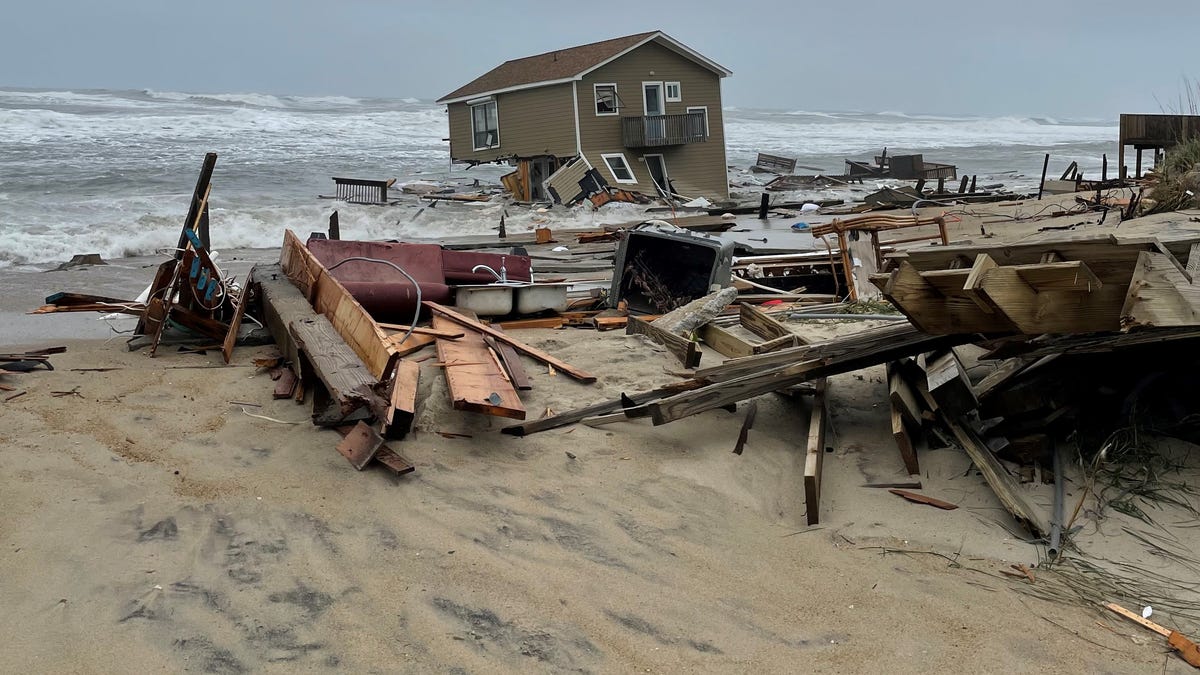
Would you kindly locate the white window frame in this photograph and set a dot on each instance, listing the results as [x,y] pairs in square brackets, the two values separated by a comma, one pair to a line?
[667,92]
[596,99]
[703,109]
[471,111]
[662,91]
[628,167]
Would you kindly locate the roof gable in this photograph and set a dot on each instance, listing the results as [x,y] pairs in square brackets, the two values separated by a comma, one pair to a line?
[564,65]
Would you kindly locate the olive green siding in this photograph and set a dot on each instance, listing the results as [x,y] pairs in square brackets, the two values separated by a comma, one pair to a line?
[532,122]
[696,169]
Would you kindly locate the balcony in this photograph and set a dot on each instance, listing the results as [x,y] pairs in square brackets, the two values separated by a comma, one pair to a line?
[658,130]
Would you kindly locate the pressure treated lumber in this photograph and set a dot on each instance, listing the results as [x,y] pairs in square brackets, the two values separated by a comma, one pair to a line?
[532,352]
[685,350]
[1160,294]
[725,342]
[474,378]
[761,324]
[814,455]
[908,453]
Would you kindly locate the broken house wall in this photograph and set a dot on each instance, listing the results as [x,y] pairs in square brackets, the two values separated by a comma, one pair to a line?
[533,122]
[696,169]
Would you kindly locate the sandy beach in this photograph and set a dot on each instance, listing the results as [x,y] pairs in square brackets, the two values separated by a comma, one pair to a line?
[152,524]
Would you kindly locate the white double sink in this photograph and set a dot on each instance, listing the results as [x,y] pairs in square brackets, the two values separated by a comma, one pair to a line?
[500,299]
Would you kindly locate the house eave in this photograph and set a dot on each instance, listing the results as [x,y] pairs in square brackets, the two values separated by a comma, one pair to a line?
[493,92]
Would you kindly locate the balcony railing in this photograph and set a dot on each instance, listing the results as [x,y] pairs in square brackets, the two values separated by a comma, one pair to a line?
[655,130]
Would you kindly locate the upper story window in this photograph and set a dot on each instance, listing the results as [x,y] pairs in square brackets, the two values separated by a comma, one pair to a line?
[485,126]
[606,99]
[701,124]
[674,93]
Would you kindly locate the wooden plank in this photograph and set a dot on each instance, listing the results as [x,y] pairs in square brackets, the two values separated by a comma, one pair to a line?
[1001,482]
[282,303]
[782,342]
[394,461]
[415,343]
[685,350]
[902,396]
[602,408]
[511,360]
[725,342]
[1072,275]
[923,499]
[330,298]
[1160,294]
[747,423]
[236,324]
[761,324]
[402,401]
[1138,619]
[948,383]
[453,334]
[814,455]
[337,366]
[285,386]
[908,453]
[475,380]
[550,322]
[1053,310]
[930,310]
[360,445]
[536,354]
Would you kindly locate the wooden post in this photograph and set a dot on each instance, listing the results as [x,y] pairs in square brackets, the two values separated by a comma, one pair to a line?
[973,184]
[202,230]
[1139,163]
[941,185]
[847,266]
[1045,166]
[962,186]
[335,231]
[503,232]
[762,207]
[1104,167]
[199,200]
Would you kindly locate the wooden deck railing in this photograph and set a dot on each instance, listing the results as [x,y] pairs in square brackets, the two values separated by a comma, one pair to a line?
[655,130]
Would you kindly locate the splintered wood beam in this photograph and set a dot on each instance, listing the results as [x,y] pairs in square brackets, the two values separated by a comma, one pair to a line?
[474,378]
[511,361]
[783,342]
[1074,275]
[685,350]
[761,324]
[913,295]
[536,354]
[814,455]
[453,334]
[571,416]
[1161,294]
[338,367]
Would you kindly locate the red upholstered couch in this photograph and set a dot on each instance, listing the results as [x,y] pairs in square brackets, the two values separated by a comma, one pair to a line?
[387,294]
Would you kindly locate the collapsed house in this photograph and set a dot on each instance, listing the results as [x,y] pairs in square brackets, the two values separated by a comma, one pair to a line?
[640,113]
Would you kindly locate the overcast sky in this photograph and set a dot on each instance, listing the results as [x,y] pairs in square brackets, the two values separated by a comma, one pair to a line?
[1022,57]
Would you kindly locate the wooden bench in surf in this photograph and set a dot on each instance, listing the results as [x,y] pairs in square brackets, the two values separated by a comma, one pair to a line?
[361,191]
